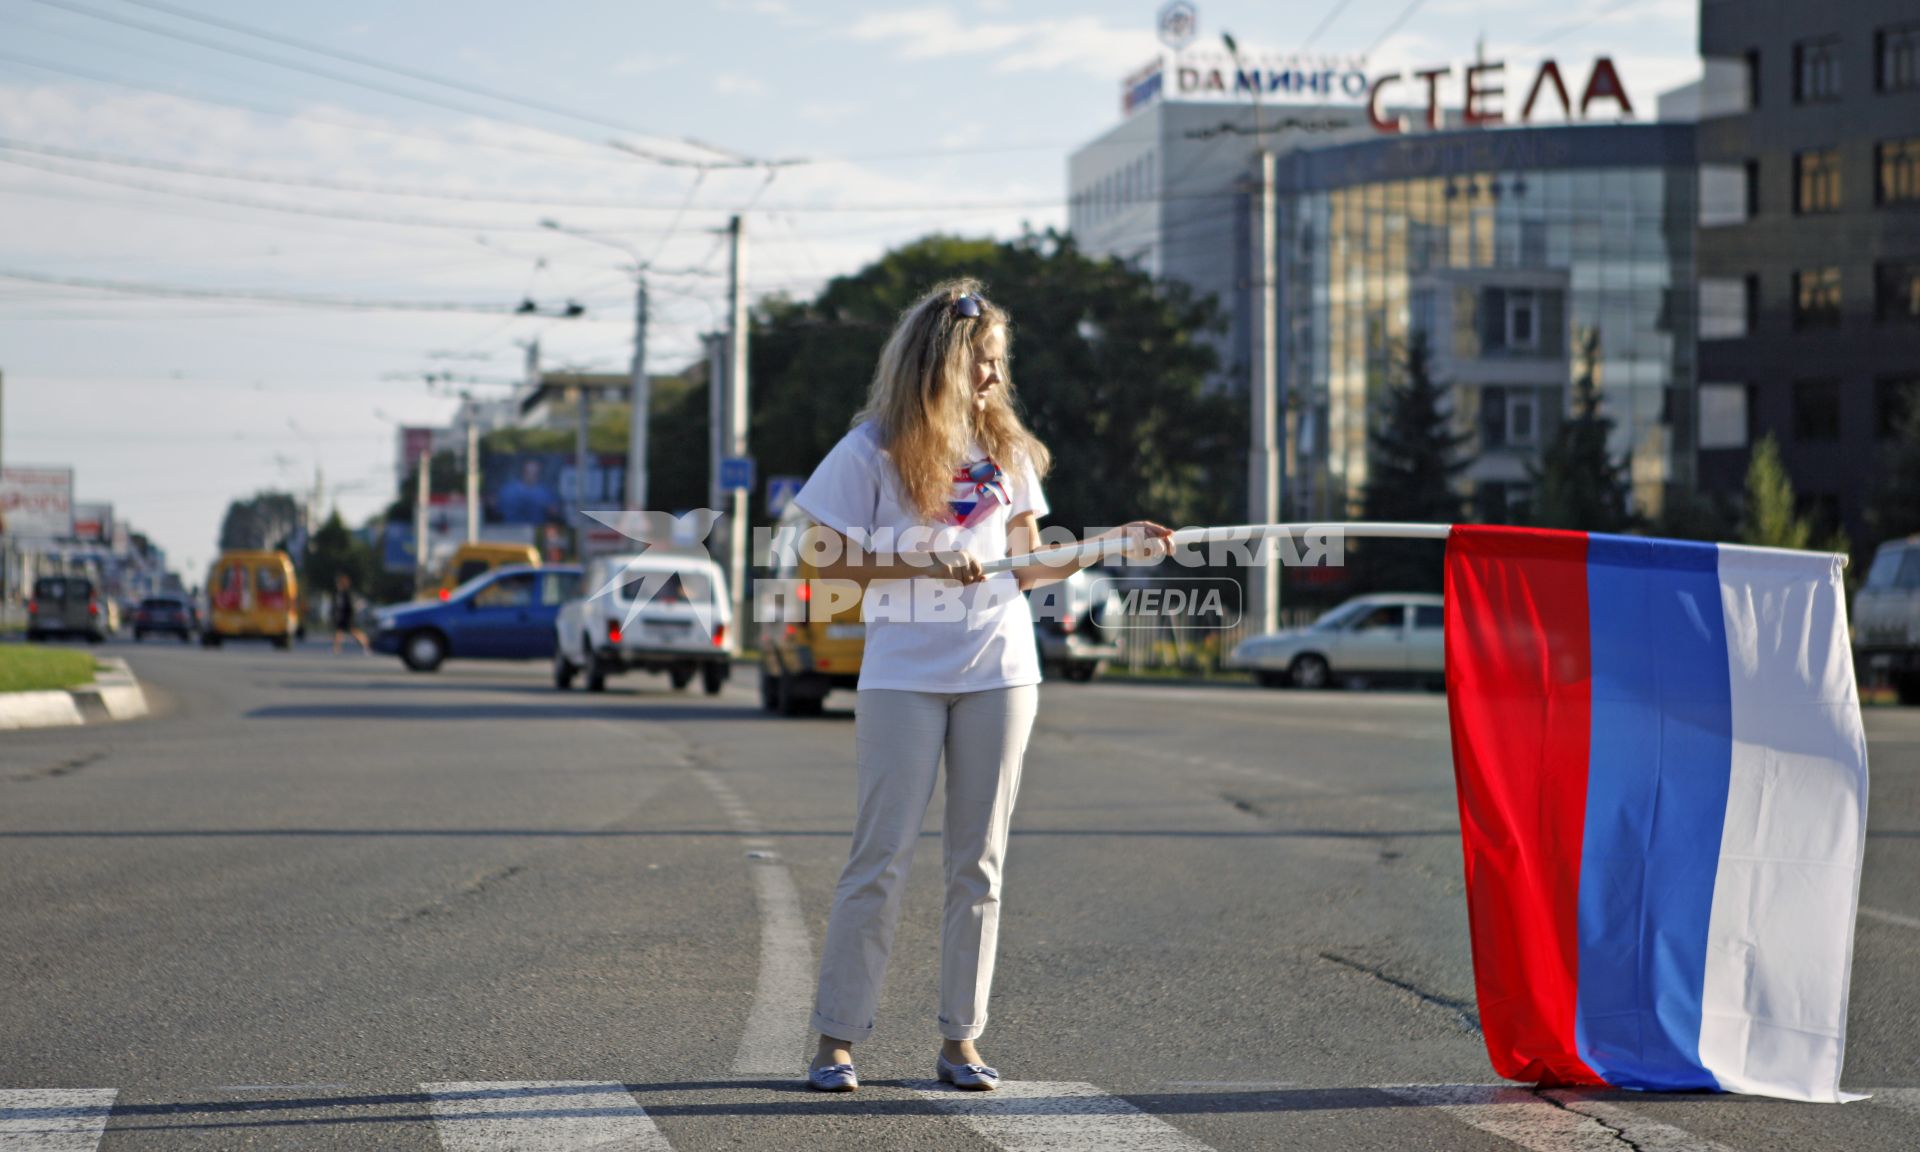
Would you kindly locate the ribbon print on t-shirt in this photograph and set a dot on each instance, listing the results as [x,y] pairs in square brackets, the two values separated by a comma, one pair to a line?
[978,488]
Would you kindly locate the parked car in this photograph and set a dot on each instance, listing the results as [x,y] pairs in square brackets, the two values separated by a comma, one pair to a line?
[1886,618]
[604,634]
[70,606]
[504,614]
[172,614]
[1076,624]
[1395,636]
[254,595]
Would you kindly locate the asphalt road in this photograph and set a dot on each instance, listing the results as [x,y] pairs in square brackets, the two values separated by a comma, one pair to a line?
[319,902]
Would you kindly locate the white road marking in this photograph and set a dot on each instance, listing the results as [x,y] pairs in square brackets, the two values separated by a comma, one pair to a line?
[1889,917]
[779,1035]
[1551,1121]
[1061,1116]
[54,1119]
[541,1116]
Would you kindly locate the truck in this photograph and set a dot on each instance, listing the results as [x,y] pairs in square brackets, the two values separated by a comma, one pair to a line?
[1886,619]
[646,612]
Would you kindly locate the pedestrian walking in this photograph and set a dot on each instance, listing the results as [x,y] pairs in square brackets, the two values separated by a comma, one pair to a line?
[938,476]
[343,625]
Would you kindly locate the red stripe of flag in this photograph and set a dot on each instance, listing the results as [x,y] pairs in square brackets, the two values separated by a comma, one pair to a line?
[1519,684]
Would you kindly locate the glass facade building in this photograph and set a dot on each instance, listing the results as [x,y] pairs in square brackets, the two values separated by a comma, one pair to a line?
[1514,251]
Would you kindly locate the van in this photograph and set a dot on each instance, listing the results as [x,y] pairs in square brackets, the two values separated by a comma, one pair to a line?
[477,556]
[802,658]
[252,595]
[69,606]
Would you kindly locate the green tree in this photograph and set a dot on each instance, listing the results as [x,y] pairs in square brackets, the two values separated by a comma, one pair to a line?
[263,520]
[1578,483]
[1111,370]
[335,549]
[1769,519]
[1414,458]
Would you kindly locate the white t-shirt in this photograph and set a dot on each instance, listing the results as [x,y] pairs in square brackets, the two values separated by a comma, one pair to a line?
[926,634]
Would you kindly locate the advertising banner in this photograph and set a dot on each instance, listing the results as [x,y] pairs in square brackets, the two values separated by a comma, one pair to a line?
[36,502]
[93,522]
[538,488]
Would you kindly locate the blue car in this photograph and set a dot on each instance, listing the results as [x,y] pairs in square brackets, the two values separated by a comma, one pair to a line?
[505,614]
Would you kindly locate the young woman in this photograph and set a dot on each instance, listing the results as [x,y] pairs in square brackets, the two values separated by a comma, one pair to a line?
[937,476]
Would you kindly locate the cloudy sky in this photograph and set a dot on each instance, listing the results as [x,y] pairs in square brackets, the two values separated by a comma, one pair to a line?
[159,144]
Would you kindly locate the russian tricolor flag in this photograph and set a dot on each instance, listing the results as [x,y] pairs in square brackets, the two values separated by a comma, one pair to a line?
[1663,802]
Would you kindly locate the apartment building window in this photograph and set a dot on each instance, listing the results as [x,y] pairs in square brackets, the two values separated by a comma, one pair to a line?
[1509,417]
[1816,181]
[1896,292]
[1897,58]
[1753,188]
[1522,314]
[1816,411]
[1753,77]
[1894,398]
[1816,71]
[1816,298]
[1724,420]
[1897,163]
[1726,308]
[1751,285]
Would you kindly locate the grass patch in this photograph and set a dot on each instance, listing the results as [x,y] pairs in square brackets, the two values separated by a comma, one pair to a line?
[24,669]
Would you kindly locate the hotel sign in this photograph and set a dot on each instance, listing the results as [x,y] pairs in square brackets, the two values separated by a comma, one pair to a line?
[1483,90]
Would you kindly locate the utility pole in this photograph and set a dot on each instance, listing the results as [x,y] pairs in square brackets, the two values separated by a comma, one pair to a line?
[473,476]
[423,466]
[580,471]
[1263,461]
[737,424]
[716,417]
[642,401]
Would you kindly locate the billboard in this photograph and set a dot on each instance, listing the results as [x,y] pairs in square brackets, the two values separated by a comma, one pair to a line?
[93,522]
[36,502]
[537,488]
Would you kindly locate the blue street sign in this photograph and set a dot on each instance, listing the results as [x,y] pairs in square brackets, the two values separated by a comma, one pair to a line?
[780,492]
[736,474]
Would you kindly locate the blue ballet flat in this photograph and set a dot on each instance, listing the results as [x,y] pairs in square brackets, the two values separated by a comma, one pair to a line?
[966,1077]
[832,1078]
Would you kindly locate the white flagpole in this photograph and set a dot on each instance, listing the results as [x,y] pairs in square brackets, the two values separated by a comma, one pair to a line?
[1232,533]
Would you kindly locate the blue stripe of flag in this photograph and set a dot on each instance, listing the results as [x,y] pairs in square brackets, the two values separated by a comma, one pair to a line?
[1660,760]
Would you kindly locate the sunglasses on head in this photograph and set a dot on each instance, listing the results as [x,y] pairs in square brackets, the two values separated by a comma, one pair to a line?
[969,306]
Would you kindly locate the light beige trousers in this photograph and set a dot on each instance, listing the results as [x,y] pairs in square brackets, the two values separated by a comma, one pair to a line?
[900,737]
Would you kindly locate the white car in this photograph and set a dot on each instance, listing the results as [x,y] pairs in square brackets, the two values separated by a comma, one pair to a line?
[1886,619]
[1387,636]
[603,635]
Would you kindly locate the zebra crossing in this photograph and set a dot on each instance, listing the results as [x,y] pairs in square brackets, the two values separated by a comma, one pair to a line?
[1022,1116]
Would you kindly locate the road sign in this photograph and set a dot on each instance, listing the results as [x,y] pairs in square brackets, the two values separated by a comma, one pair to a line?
[736,474]
[780,492]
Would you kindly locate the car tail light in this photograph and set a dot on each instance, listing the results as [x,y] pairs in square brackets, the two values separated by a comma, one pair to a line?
[446,593]
[791,629]
[613,631]
[1068,623]
[806,591]
[719,635]
[33,607]
[92,608]
[820,663]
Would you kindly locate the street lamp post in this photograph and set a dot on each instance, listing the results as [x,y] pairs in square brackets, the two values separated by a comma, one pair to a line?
[641,388]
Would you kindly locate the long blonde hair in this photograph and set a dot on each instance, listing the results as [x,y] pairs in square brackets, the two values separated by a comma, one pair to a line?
[922,397]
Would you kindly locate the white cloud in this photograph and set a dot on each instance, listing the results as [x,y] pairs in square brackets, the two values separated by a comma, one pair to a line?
[641,63]
[1085,44]
[737,84]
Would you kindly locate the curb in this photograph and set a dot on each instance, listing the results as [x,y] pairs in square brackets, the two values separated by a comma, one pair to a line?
[115,694]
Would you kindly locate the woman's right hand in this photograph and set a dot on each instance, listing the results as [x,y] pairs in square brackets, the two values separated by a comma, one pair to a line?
[960,567]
